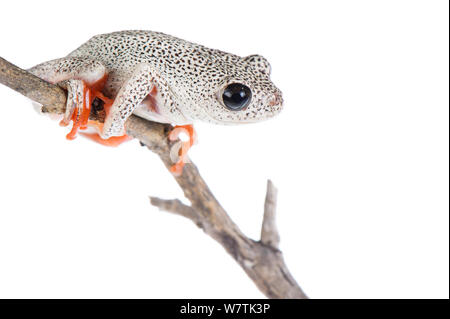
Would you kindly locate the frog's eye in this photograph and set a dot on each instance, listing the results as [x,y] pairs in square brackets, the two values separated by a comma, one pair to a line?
[236,96]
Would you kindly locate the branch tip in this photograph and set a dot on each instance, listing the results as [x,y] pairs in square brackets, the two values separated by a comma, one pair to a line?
[269,231]
[174,206]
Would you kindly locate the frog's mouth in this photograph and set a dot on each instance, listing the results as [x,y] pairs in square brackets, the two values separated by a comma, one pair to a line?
[248,116]
[250,120]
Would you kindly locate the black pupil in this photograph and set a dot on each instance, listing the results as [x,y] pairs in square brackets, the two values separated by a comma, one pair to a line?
[236,96]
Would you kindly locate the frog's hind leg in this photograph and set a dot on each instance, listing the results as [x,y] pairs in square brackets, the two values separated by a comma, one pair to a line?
[84,79]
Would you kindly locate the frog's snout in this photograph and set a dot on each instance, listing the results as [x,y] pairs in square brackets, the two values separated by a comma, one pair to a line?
[276,99]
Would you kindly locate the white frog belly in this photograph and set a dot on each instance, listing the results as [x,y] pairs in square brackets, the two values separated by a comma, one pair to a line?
[151,109]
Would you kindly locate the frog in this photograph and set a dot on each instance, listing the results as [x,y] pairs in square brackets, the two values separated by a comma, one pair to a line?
[160,78]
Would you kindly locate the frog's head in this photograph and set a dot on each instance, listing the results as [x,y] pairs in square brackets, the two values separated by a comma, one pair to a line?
[241,92]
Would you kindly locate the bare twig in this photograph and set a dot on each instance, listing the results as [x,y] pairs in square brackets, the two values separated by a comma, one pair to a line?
[269,232]
[175,206]
[261,260]
[52,97]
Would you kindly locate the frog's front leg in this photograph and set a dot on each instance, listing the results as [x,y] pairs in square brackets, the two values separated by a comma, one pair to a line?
[135,89]
[141,88]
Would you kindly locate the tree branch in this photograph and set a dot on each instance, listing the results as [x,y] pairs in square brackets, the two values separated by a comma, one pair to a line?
[261,260]
[175,206]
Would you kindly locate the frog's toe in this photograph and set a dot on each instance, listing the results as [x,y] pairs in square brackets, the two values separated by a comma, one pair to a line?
[184,129]
[182,147]
[78,106]
[71,105]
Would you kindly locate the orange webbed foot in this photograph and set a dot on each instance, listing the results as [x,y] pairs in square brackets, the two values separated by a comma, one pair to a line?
[84,95]
[113,141]
[177,168]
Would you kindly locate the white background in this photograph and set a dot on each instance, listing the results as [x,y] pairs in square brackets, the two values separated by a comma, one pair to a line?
[359,154]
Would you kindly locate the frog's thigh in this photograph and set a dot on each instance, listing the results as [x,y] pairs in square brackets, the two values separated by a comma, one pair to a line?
[79,68]
[131,94]
[78,71]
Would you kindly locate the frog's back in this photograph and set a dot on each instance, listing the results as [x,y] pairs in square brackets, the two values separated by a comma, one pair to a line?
[173,58]
[125,49]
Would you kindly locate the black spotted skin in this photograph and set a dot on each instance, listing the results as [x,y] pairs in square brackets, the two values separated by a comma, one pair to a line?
[189,78]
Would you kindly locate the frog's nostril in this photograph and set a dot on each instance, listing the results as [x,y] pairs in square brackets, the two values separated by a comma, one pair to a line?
[276,100]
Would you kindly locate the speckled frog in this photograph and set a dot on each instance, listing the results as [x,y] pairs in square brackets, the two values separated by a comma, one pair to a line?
[160,78]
